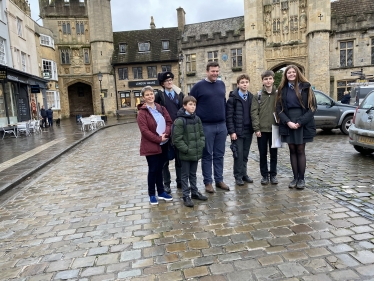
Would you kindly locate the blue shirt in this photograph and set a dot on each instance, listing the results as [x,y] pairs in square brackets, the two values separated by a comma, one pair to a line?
[158,117]
[172,93]
[241,94]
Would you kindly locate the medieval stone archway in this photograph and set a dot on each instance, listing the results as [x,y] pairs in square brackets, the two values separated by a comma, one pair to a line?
[280,66]
[80,99]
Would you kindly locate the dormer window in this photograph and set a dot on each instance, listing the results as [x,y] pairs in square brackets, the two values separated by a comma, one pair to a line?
[144,46]
[122,48]
[165,45]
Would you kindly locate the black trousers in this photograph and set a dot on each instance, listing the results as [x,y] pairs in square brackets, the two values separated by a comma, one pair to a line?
[155,164]
[189,169]
[263,143]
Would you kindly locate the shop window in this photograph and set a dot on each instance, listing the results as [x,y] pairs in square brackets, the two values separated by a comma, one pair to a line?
[346,54]
[165,68]
[236,58]
[123,73]
[213,56]
[191,62]
[138,97]
[125,99]
[152,71]
[138,72]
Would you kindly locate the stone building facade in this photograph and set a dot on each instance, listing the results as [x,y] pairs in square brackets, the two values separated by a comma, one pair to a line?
[138,57]
[84,41]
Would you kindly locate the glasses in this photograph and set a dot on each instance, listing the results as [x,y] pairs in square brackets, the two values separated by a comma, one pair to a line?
[168,80]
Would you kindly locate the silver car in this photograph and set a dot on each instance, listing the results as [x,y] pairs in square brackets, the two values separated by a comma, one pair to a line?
[361,133]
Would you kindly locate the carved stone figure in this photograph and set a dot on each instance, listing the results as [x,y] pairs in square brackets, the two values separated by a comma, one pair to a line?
[285,26]
[302,19]
[268,24]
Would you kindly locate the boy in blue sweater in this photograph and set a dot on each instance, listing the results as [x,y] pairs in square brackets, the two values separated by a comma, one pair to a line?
[210,94]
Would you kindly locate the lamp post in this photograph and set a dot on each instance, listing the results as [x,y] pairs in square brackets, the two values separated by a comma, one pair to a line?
[100,76]
[181,70]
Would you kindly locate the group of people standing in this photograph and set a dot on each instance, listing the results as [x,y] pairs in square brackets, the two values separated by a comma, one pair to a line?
[46,114]
[196,126]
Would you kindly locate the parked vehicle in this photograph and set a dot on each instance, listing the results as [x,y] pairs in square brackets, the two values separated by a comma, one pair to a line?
[331,114]
[359,92]
[361,133]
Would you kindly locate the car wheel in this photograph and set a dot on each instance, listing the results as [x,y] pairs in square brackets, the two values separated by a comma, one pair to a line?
[347,122]
[362,150]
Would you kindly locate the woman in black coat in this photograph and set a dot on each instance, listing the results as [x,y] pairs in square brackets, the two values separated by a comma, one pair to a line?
[295,107]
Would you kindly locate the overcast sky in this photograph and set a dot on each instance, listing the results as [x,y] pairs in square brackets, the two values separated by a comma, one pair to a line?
[133,15]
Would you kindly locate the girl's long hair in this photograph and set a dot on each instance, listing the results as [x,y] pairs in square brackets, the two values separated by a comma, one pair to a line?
[300,78]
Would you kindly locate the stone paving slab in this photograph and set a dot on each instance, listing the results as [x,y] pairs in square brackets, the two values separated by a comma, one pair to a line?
[87,217]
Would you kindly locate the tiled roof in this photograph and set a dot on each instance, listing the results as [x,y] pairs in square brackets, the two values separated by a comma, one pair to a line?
[154,36]
[210,27]
[344,8]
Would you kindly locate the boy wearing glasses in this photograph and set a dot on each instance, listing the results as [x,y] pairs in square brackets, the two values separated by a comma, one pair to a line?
[171,98]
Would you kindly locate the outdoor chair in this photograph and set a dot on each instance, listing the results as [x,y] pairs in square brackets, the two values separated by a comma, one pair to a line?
[23,127]
[9,130]
[86,123]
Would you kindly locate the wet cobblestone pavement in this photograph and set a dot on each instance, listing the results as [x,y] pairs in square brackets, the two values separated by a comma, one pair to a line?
[87,217]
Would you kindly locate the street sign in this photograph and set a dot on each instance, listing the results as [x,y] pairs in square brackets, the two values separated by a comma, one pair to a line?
[35,89]
[46,75]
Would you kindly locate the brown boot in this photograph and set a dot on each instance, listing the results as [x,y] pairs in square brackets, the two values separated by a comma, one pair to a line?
[209,188]
[222,185]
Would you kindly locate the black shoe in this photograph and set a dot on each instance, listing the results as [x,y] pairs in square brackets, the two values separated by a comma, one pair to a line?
[239,182]
[167,189]
[179,185]
[188,202]
[247,179]
[300,184]
[273,180]
[293,183]
[199,196]
[265,180]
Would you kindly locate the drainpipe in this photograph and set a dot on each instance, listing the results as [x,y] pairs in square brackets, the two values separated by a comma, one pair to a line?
[115,85]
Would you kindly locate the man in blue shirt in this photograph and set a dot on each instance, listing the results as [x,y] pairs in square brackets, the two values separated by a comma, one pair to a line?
[210,94]
[171,98]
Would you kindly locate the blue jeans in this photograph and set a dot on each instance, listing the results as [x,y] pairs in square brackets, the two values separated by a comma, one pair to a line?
[155,164]
[214,150]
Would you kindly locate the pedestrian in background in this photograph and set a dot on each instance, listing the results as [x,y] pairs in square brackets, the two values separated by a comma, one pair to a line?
[188,138]
[346,98]
[295,106]
[50,116]
[239,126]
[210,94]
[43,114]
[171,98]
[155,124]
[262,113]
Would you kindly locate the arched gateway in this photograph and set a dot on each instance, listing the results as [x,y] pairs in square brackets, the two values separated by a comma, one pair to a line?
[80,99]
[282,32]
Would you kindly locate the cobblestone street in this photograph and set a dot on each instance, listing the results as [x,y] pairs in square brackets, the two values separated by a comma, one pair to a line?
[87,217]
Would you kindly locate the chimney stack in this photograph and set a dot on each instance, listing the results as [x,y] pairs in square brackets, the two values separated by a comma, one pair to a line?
[181,18]
[152,25]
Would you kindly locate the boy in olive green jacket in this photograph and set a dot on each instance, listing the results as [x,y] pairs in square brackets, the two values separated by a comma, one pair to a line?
[189,141]
[262,114]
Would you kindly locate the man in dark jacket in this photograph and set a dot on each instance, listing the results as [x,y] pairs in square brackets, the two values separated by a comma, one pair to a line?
[43,113]
[171,98]
[50,116]
[239,126]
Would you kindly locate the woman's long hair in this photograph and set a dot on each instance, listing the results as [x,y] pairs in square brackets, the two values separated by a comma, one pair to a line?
[300,78]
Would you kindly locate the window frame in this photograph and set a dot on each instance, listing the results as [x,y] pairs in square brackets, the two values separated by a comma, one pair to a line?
[19,27]
[86,59]
[46,40]
[122,48]
[346,50]
[125,96]
[23,62]
[65,56]
[235,57]
[53,68]
[166,67]
[191,62]
[167,42]
[121,73]
[139,72]
[3,51]
[145,44]
[214,55]
[56,99]
[152,71]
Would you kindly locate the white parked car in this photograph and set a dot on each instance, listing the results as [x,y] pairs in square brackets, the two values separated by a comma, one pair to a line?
[361,132]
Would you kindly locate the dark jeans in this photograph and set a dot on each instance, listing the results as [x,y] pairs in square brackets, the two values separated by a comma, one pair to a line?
[214,150]
[240,163]
[50,121]
[166,171]
[189,169]
[44,121]
[263,143]
[155,164]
